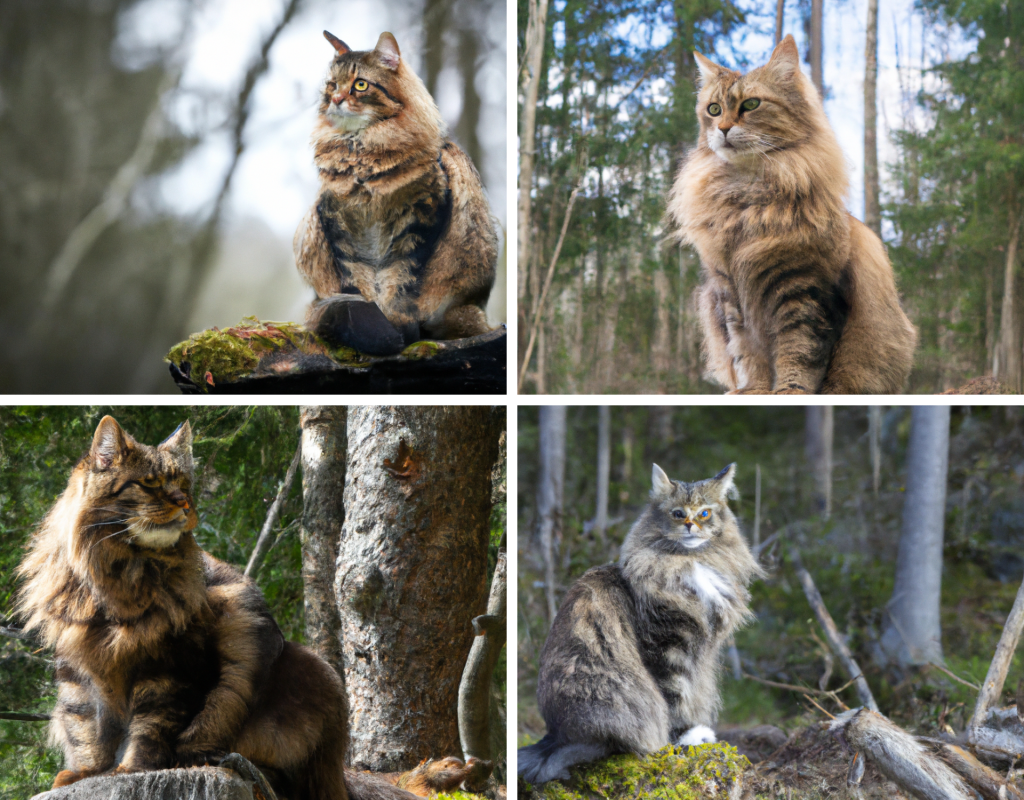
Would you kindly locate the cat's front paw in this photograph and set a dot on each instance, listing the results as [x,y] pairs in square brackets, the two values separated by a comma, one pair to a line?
[698,734]
[793,388]
[347,320]
[67,777]
[187,757]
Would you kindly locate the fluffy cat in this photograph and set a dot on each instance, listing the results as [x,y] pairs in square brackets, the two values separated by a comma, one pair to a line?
[630,664]
[400,243]
[164,655]
[798,296]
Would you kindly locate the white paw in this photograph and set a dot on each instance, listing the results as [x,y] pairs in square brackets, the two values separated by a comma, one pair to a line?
[698,734]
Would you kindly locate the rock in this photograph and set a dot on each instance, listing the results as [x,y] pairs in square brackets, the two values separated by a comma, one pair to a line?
[257,357]
[197,783]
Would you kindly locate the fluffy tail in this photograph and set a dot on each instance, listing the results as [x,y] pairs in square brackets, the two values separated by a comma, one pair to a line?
[367,786]
[548,760]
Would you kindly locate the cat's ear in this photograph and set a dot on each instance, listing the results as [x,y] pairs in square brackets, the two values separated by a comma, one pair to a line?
[109,444]
[336,43]
[709,70]
[179,445]
[722,485]
[387,51]
[661,484]
[785,60]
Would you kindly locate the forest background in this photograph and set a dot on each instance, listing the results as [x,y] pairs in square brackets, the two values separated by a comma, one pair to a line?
[249,481]
[926,98]
[937,547]
[155,163]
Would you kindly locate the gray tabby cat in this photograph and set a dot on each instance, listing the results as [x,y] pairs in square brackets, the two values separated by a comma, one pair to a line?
[631,662]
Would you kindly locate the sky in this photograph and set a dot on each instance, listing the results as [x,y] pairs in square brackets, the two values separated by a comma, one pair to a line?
[276,181]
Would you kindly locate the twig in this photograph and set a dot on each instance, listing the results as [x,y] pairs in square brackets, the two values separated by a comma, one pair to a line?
[756,551]
[263,543]
[832,695]
[832,632]
[992,688]
[823,711]
[14,633]
[956,677]
[547,281]
[19,717]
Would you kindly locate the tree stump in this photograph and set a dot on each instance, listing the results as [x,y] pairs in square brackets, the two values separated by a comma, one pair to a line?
[257,357]
[200,783]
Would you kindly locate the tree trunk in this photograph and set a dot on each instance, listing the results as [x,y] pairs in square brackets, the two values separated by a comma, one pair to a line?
[550,487]
[818,442]
[604,467]
[817,46]
[412,573]
[435,22]
[469,119]
[779,8]
[1007,366]
[875,437]
[872,213]
[912,634]
[661,346]
[323,515]
[534,45]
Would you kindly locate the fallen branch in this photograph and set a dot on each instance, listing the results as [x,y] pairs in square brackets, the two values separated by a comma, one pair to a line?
[263,542]
[839,647]
[992,688]
[14,633]
[832,694]
[16,716]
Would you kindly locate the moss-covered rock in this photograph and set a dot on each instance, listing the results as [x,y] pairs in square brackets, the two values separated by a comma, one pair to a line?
[703,772]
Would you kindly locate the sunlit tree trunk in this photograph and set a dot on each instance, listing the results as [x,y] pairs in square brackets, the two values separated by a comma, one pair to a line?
[550,490]
[818,442]
[872,214]
[323,515]
[1007,366]
[817,46]
[779,9]
[412,573]
[911,632]
[604,467]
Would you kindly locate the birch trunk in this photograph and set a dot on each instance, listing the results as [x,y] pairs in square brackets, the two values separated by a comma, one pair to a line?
[323,514]
[1007,365]
[872,213]
[535,31]
[818,443]
[550,488]
[604,467]
[912,634]
[817,73]
[411,573]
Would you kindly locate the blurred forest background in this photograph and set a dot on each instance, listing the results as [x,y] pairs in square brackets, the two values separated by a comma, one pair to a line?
[879,539]
[927,100]
[249,488]
[155,162]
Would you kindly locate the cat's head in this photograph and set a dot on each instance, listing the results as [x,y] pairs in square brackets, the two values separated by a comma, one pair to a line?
[143,493]
[365,88]
[687,516]
[771,108]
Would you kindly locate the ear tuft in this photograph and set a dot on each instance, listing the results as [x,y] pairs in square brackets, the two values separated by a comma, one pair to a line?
[109,444]
[723,482]
[336,43]
[387,51]
[661,484]
[785,58]
[709,70]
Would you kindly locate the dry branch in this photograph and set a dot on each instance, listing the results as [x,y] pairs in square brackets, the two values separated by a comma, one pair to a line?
[839,647]
[263,542]
[16,716]
[992,688]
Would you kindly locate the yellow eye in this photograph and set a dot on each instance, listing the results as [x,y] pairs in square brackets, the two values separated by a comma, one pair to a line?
[150,483]
[751,104]
[714,109]
[360,85]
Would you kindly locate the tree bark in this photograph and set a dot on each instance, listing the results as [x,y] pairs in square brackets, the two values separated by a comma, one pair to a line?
[660,347]
[818,442]
[550,488]
[534,45]
[912,634]
[604,468]
[1007,366]
[323,448]
[875,438]
[817,46]
[412,573]
[872,213]
[779,9]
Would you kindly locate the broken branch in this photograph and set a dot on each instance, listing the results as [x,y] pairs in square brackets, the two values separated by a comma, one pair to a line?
[992,688]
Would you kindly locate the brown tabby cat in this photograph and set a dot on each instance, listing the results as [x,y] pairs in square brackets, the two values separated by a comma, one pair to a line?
[798,296]
[166,656]
[400,243]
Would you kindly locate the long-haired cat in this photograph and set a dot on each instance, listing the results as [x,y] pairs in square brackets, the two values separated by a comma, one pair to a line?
[400,242]
[165,656]
[630,664]
[798,296]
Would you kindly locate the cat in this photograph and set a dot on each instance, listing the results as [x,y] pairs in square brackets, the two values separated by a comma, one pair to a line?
[798,296]
[400,243]
[630,663]
[165,656]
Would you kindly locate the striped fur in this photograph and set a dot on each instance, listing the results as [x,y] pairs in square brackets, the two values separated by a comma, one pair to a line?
[401,218]
[798,296]
[630,664]
[166,656]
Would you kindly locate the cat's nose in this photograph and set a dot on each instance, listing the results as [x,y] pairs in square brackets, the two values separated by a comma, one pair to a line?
[180,499]
[688,525]
[337,99]
[724,128]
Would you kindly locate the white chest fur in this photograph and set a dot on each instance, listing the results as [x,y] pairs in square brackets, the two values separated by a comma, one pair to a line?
[711,588]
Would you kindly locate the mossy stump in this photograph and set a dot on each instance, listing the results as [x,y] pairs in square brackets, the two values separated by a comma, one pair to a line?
[704,772]
[257,357]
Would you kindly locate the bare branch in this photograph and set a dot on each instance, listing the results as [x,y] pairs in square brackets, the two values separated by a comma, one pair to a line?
[992,688]
[263,543]
[19,717]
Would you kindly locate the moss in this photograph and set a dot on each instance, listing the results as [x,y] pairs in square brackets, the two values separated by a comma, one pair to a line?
[458,794]
[672,773]
[421,350]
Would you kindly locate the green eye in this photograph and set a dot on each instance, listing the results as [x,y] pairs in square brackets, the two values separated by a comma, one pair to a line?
[751,104]
[714,109]
[360,85]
